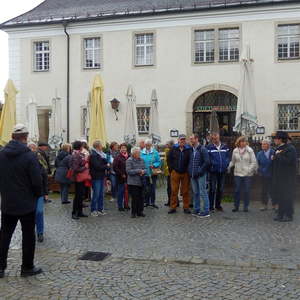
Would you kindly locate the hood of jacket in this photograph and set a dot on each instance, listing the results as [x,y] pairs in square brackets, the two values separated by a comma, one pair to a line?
[15,148]
[61,155]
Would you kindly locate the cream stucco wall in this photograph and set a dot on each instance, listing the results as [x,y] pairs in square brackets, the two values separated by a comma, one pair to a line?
[178,82]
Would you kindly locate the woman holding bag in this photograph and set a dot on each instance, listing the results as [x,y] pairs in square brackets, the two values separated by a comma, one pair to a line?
[80,173]
[98,166]
[152,161]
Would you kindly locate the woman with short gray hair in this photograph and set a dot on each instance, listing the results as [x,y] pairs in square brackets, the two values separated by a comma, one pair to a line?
[136,170]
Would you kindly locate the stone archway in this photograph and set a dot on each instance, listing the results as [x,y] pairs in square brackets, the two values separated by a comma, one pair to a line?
[196,95]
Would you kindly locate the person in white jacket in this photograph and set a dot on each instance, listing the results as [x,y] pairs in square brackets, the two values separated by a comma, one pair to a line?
[245,166]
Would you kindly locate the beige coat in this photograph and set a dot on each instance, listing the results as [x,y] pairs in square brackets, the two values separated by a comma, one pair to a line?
[244,165]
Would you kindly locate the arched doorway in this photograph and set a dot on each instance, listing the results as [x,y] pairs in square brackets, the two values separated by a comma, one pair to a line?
[223,102]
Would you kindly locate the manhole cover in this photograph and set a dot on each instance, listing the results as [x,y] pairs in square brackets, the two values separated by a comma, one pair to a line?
[94,256]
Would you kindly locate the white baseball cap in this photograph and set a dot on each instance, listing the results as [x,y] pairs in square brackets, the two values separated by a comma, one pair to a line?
[20,128]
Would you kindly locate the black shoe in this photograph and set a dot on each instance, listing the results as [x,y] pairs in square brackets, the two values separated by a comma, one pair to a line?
[246,210]
[178,204]
[220,208]
[141,215]
[235,210]
[127,208]
[66,202]
[172,211]
[154,206]
[2,273]
[212,210]
[82,215]
[40,237]
[31,272]
[146,205]
[191,206]
[121,209]
[75,217]
[167,204]
[187,211]
[47,201]
[278,218]
[286,219]
[133,216]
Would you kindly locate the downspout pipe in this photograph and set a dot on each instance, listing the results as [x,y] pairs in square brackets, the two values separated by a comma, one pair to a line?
[65,24]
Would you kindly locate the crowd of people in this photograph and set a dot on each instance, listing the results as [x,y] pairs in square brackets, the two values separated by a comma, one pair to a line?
[191,169]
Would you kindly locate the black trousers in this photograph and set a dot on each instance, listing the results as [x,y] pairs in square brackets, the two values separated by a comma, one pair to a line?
[216,188]
[285,200]
[8,226]
[78,199]
[266,190]
[137,199]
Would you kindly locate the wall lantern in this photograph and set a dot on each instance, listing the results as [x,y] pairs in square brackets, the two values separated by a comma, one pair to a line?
[260,130]
[115,103]
[174,133]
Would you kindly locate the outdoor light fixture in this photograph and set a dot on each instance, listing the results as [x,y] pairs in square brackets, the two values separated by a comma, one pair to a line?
[115,103]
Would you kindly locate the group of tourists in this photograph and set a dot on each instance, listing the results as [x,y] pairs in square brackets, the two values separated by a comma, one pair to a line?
[190,168]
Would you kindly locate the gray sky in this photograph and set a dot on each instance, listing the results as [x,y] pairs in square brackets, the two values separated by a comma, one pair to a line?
[8,10]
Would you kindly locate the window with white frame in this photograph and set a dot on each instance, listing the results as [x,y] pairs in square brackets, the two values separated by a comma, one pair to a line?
[288,117]
[288,40]
[92,53]
[144,49]
[229,44]
[143,119]
[41,56]
[84,121]
[204,46]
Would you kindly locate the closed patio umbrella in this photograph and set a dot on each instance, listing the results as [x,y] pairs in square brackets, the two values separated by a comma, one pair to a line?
[214,123]
[55,124]
[97,125]
[131,131]
[154,132]
[246,116]
[32,121]
[8,116]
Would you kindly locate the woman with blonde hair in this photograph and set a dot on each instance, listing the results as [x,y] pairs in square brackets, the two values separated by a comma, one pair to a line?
[245,165]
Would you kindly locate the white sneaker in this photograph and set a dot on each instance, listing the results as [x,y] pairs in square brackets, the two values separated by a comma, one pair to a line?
[94,214]
[112,199]
[101,213]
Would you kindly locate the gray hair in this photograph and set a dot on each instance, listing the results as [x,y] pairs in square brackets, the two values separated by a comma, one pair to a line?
[266,141]
[32,144]
[134,150]
[148,142]
[97,144]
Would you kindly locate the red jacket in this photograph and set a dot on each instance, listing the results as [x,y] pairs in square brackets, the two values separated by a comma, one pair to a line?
[119,166]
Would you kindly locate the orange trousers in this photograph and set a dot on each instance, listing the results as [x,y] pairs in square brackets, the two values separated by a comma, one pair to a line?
[178,179]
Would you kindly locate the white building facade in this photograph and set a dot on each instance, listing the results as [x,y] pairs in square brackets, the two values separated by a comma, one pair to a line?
[191,57]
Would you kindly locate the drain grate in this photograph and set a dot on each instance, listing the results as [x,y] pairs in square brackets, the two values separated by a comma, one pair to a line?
[94,256]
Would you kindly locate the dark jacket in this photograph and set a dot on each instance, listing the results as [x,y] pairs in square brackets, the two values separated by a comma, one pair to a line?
[219,159]
[20,179]
[44,173]
[61,155]
[284,169]
[62,167]
[119,167]
[98,166]
[47,160]
[199,162]
[264,163]
[179,160]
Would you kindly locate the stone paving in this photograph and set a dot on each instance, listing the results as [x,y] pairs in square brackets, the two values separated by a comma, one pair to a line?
[228,256]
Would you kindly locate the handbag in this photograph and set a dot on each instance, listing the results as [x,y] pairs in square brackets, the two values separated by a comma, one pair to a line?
[70,174]
[84,176]
[155,171]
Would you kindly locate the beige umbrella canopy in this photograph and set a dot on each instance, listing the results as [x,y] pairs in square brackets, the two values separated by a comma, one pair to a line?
[154,132]
[97,125]
[8,116]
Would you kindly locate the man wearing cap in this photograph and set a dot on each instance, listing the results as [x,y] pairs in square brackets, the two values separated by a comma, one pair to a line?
[20,187]
[178,162]
[284,171]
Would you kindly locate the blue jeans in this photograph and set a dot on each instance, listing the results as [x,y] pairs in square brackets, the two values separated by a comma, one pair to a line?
[114,185]
[64,192]
[150,190]
[242,184]
[121,193]
[200,192]
[98,195]
[39,215]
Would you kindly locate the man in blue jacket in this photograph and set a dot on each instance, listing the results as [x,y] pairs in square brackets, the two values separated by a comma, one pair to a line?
[219,162]
[264,159]
[198,167]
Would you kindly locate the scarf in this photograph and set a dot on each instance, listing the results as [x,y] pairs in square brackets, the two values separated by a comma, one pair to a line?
[242,151]
[101,153]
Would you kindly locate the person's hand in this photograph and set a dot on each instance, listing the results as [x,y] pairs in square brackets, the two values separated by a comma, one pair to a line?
[272,157]
[278,151]
[108,165]
[142,172]
[46,197]
[123,176]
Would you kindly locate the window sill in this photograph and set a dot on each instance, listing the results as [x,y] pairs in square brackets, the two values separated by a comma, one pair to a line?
[144,66]
[41,71]
[93,68]
[288,59]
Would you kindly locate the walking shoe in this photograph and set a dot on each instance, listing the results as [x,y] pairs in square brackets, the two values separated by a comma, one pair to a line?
[187,211]
[278,218]
[31,272]
[204,215]
[127,208]
[94,214]
[212,210]
[133,216]
[195,214]
[101,213]
[286,219]
[246,210]
[121,209]
[172,211]
[141,215]
[82,215]
[264,208]
[75,217]
[220,208]
[2,273]
[146,205]
[167,204]
[66,202]
[235,210]
[154,206]
[40,237]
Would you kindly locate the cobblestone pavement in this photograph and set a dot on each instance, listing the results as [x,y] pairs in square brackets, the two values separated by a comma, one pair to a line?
[227,256]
